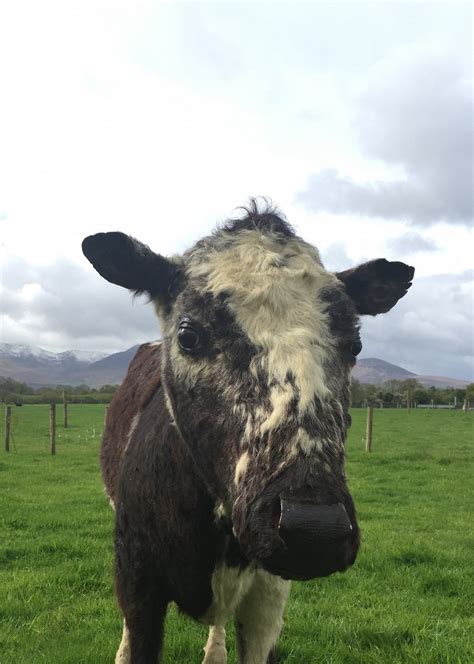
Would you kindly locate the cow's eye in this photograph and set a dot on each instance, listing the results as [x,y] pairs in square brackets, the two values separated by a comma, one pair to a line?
[356,347]
[188,337]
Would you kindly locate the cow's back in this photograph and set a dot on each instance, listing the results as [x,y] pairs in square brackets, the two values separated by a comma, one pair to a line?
[141,383]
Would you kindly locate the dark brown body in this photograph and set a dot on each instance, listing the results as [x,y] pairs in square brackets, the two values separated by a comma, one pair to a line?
[168,541]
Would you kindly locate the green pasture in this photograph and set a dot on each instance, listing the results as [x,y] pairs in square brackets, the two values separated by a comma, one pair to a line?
[409,598]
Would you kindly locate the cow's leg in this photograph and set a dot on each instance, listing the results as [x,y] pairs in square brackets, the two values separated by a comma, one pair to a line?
[142,637]
[215,650]
[123,653]
[144,610]
[259,619]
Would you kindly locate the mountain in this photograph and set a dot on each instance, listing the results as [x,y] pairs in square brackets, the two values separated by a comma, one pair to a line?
[39,355]
[108,371]
[37,367]
[375,372]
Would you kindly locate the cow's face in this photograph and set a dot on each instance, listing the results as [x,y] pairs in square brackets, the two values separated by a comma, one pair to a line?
[259,342]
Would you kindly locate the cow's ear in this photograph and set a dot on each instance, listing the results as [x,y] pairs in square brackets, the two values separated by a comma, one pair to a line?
[126,262]
[376,286]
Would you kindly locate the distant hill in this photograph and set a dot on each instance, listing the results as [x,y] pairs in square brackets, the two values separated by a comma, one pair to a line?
[441,381]
[108,371]
[373,371]
[38,367]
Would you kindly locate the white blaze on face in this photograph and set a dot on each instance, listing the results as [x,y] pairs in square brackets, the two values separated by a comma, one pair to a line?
[274,288]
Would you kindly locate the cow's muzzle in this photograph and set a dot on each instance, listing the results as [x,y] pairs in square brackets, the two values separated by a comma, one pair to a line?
[316,540]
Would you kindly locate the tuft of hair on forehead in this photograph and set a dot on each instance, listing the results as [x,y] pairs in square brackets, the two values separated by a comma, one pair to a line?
[262,215]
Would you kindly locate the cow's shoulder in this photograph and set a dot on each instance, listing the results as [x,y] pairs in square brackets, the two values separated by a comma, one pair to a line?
[142,381]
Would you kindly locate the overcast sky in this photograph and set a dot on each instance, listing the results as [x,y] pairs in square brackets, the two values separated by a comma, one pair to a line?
[159,119]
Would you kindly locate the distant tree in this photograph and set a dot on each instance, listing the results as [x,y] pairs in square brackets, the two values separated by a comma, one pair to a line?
[410,384]
[393,393]
[82,389]
[371,393]
[357,392]
[460,395]
[10,387]
[108,389]
[421,395]
[469,395]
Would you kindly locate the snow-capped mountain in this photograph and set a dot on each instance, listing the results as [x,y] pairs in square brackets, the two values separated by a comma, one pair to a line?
[84,355]
[37,366]
[40,354]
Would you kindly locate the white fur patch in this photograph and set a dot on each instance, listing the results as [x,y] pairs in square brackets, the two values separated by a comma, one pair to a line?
[215,650]
[133,426]
[257,600]
[304,442]
[169,406]
[220,511]
[153,344]
[260,615]
[273,289]
[241,467]
[123,655]
[229,585]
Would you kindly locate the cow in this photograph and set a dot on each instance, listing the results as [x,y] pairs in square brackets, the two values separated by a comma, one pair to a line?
[223,452]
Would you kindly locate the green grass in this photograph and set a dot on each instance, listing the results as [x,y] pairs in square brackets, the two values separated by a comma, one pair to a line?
[409,598]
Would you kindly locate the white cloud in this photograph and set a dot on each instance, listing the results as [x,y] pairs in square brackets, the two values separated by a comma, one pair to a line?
[63,306]
[159,118]
[430,329]
[412,243]
[415,114]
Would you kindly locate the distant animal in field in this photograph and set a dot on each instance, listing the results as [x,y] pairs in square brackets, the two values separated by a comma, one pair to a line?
[223,453]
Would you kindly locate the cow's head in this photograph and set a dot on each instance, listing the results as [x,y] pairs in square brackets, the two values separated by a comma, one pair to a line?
[259,341]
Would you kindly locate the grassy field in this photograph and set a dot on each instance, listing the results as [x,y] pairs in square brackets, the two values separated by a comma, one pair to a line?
[409,598]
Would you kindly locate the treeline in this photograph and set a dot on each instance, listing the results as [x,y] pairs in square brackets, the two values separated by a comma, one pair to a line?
[15,392]
[391,394]
[396,393]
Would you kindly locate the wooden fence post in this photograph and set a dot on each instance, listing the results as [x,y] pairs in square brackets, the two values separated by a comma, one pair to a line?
[105,416]
[408,401]
[368,436]
[52,427]
[8,419]
[65,408]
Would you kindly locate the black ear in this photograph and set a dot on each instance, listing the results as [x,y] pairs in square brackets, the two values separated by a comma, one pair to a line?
[124,261]
[377,286]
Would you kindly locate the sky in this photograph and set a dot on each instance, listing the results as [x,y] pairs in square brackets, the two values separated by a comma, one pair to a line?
[160,119]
